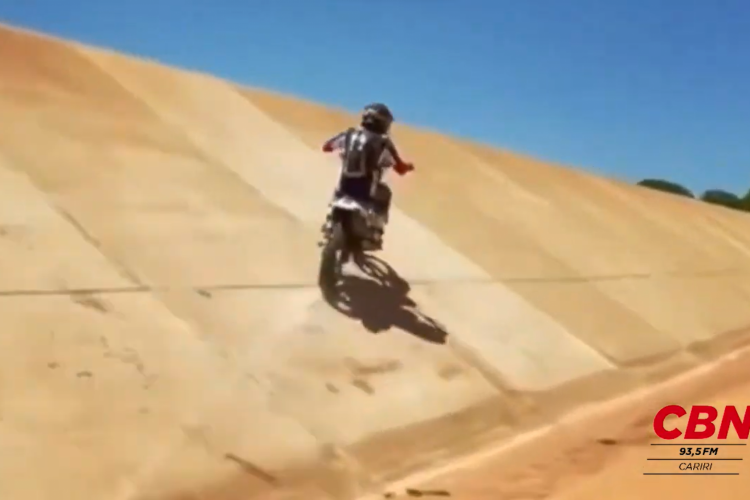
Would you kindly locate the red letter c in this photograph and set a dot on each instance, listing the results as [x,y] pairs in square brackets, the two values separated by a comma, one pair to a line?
[661,415]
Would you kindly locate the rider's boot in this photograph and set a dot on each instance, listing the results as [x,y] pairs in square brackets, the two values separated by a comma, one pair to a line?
[377,225]
[381,220]
[326,226]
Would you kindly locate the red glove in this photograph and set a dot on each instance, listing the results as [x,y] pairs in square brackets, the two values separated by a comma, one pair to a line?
[403,168]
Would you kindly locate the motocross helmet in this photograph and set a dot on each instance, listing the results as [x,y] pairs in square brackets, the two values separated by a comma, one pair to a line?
[377,118]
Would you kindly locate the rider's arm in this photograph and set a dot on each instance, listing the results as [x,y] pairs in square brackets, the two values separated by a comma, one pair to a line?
[391,147]
[401,166]
[334,143]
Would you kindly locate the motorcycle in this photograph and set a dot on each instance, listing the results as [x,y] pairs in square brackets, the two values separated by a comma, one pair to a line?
[349,233]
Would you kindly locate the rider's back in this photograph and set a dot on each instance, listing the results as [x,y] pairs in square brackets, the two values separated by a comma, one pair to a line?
[363,152]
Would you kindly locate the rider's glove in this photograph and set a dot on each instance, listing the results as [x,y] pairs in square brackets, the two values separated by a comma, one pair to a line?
[403,168]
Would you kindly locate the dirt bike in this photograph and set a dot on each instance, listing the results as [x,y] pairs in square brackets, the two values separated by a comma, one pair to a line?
[349,234]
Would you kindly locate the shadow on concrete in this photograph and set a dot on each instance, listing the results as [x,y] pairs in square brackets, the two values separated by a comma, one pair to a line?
[381,301]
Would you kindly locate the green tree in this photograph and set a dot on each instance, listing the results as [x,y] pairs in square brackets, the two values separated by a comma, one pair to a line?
[746,201]
[723,198]
[667,187]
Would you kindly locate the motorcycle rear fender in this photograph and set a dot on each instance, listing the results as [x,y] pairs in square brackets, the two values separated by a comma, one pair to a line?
[349,204]
[354,217]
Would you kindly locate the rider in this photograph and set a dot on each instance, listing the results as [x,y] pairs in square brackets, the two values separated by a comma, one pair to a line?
[364,154]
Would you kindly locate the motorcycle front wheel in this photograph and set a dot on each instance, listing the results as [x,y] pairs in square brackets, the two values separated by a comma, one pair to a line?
[330,258]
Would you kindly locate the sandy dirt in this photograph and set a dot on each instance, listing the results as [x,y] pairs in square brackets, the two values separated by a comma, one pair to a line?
[609,451]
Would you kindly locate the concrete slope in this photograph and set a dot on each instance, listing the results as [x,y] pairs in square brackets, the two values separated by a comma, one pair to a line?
[633,272]
[163,336]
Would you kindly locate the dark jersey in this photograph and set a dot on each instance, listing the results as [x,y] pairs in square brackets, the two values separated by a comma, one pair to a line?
[364,153]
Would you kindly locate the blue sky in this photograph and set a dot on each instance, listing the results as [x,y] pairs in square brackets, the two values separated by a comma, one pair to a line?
[628,88]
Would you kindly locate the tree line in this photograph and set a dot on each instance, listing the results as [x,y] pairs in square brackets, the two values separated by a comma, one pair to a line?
[715,196]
